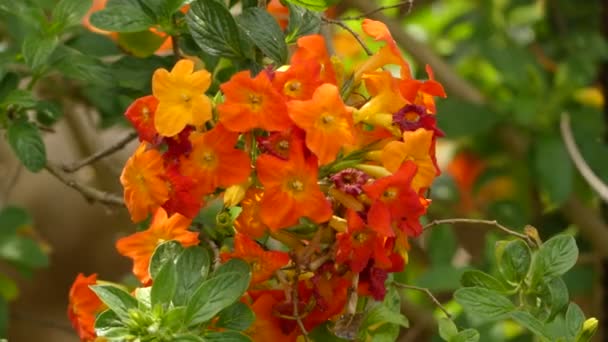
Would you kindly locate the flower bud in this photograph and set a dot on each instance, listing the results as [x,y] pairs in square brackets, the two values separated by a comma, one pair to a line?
[589,328]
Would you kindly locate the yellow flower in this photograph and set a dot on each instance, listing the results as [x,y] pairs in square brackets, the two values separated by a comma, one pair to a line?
[181,96]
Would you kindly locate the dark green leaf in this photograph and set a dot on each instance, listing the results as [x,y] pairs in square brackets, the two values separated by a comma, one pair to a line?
[174,318]
[165,252]
[553,168]
[75,65]
[480,279]
[467,335]
[122,16]
[264,31]
[163,9]
[214,29]
[37,50]
[23,251]
[484,303]
[515,261]
[192,267]
[27,144]
[574,320]
[556,257]
[47,113]
[11,219]
[189,338]
[69,13]
[226,336]
[233,265]
[460,118]
[215,294]
[135,73]
[9,82]
[117,300]
[140,44]
[556,296]
[237,316]
[527,320]
[302,22]
[107,322]
[447,328]
[164,285]
[315,5]
[18,97]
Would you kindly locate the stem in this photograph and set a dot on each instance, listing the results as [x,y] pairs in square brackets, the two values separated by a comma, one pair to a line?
[100,154]
[296,303]
[89,193]
[214,249]
[353,33]
[475,221]
[409,3]
[428,293]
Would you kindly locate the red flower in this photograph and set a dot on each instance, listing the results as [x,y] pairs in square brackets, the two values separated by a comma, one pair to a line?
[183,197]
[83,306]
[141,115]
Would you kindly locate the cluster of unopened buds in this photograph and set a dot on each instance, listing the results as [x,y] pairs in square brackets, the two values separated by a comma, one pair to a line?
[328,169]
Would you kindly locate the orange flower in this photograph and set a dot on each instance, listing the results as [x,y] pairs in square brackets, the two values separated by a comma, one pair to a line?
[416,146]
[386,98]
[83,306]
[327,121]
[252,103]
[140,246]
[279,12]
[248,222]
[388,54]
[291,189]
[422,92]
[143,181]
[141,115]
[299,81]
[181,97]
[214,161]
[312,48]
[263,263]
[267,326]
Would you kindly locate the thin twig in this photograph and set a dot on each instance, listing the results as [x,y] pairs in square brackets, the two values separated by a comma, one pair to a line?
[581,165]
[296,303]
[89,193]
[475,221]
[353,33]
[214,249]
[429,294]
[409,3]
[119,145]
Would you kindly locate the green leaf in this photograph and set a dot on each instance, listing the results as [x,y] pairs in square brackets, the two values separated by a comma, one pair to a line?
[140,44]
[189,338]
[4,316]
[226,336]
[163,253]
[47,113]
[556,296]
[315,5]
[37,50]
[9,82]
[264,31]
[122,16]
[107,322]
[192,267]
[460,118]
[484,303]
[478,278]
[27,144]
[163,287]
[23,251]
[164,8]
[143,294]
[515,261]
[214,29]
[117,300]
[534,325]
[18,97]
[302,22]
[553,168]
[78,66]
[467,335]
[237,316]
[556,257]
[174,318]
[8,288]
[11,219]
[233,265]
[215,294]
[69,13]
[574,320]
[442,246]
[447,328]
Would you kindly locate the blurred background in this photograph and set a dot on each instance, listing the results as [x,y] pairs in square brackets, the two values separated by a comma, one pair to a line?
[525,79]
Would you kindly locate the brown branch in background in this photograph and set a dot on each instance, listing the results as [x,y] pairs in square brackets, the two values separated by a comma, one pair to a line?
[581,165]
[89,193]
[119,145]
[409,3]
[475,221]
[353,33]
[428,293]
[214,249]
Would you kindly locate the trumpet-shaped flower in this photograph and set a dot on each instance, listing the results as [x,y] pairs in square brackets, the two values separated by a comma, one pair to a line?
[422,92]
[395,202]
[263,263]
[416,146]
[83,306]
[183,197]
[140,246]
[327,121]
[252,103]
[313,48]
[214,161]
[249,222]
[181,98]
[290,189]
[267,326]
[386,98]
[143,181]
[141,115]
[300,81]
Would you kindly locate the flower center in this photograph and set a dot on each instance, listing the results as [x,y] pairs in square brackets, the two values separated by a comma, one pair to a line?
[327,119]
[145,113]
[390,193]
[186,98]
[255,102]
[412,116]
[296,185]
[292,88]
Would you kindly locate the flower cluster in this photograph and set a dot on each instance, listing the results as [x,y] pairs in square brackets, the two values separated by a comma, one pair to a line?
[328,169]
